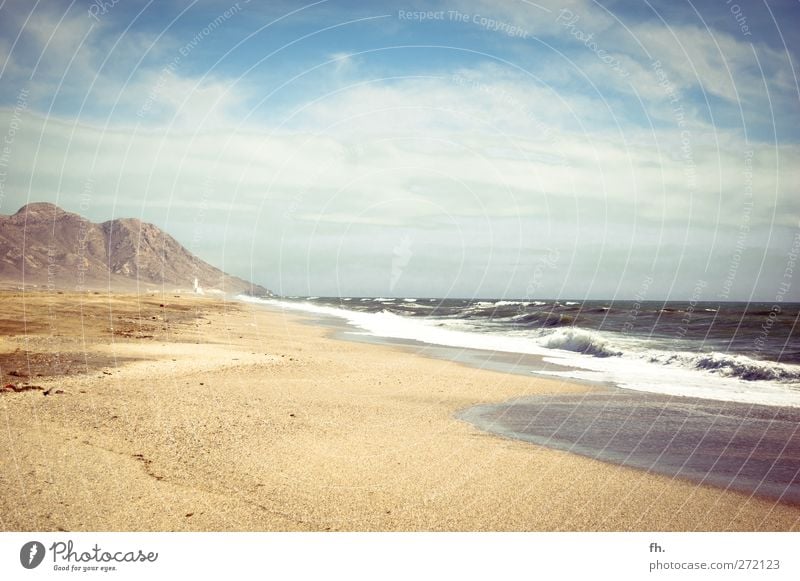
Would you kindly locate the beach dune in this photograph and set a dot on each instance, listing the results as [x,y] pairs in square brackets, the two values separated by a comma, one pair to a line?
[172,412]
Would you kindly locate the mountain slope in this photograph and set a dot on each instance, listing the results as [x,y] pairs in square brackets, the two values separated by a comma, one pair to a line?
[46,246]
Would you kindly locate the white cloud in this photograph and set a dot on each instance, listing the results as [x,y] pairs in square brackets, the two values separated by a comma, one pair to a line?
[395,146]
[483,163]
[692,55]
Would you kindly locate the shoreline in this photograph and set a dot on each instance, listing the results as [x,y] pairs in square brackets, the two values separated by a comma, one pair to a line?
[521,364]
[734,451]
[750,449]
[249,419]
[557,347]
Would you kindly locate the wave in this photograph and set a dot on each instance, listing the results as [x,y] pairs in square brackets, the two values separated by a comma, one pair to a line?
[597,356]
[580,341]
[726,365]
[542,319]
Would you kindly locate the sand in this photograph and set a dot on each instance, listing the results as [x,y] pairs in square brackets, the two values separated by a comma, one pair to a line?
[208,415]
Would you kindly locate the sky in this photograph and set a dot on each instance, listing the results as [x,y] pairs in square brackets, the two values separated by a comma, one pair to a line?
[466,148]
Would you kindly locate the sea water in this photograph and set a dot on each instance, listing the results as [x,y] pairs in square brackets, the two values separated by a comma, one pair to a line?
[738,352]
[705,392]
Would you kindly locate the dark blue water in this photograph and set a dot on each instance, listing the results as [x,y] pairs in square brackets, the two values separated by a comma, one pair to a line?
[666,331]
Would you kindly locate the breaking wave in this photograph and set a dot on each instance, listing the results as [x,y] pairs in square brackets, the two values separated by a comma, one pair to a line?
[580,341]
[628,360]
[726,365]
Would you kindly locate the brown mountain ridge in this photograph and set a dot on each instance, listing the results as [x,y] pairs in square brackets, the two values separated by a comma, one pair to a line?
[44,245]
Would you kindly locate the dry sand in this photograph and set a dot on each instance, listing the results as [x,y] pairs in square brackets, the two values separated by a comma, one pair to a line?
[205,415]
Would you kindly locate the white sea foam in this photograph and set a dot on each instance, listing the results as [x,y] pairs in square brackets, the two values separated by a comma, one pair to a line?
[580,341]
[727,365]
[642,375]
[428,330]
[592,356]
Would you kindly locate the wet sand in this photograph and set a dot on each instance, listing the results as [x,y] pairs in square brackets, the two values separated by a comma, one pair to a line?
[751,448]
[234,417]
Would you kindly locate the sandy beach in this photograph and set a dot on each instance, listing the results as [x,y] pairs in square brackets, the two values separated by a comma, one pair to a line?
[182,413]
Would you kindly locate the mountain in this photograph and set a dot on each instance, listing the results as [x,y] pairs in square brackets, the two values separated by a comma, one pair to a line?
[59,249]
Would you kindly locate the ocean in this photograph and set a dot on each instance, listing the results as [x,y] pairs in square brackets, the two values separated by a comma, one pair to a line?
[706,392]
[737,352]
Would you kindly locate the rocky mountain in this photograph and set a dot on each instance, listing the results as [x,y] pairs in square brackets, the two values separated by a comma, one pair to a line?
[47,246]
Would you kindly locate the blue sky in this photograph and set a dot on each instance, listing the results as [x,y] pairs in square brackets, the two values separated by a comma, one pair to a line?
[520,149]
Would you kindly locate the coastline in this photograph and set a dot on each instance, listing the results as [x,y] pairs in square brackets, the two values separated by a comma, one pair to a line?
[245,418]
[473,358]
[750,448]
